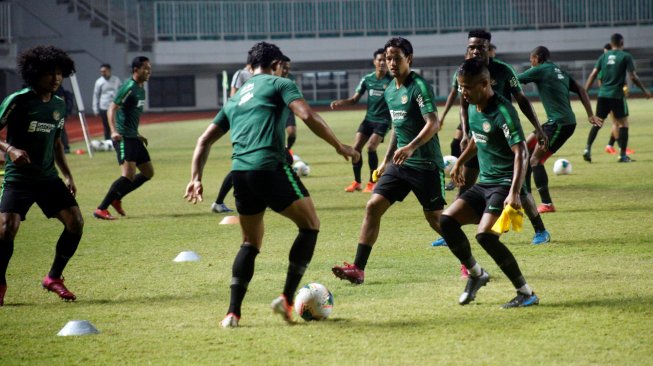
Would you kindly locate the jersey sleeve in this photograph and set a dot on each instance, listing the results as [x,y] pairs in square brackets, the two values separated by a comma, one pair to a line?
[221,120]
[630,65]
[123,93]
[454,81]
[288,89]
[598,63]
[513,81]
[361,88]
[529,76]
[509,123]
[9,111]
[423,95]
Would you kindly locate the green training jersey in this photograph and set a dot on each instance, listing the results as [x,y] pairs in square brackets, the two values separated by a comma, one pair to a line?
[553,86]
[256,118]
[503,79]
[377,109]
[33,126]
[131,99]
[613,66]
[495,130]
[407,106]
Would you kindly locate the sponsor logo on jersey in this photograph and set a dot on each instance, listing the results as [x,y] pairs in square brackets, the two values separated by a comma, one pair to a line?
[376,93]
[506,131]
[487,127]
[420,101]
[398,115]
[612,59]
[141,103]
[478,138]
[404,99]
[246,88]
[36,126]
[245,98]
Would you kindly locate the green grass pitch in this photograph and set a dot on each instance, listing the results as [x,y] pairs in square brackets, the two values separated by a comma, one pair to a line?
[594,278]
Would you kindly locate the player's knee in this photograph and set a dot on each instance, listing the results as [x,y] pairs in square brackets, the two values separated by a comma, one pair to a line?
[448,223]
[374,208]
[75,225]
[9,226]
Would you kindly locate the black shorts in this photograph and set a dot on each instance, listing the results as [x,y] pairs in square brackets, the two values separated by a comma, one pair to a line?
[255,190]
[367,128]
[485,198]
[397,181]
[52,196]
[291,120]
[131,149]
[618,106]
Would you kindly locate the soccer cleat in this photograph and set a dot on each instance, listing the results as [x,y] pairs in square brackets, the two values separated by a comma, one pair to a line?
[103,214]
[610,150]
[546,208]
[117,205]
[521,301]
[541,237]
[369,188]
[629,151]
[464,273]
[230,321]
[220,208]
[280,306]
[56,285]
[3,291]
[587,156]
[349,272]
[625,159]
[354,186]
[473,285]
[450,187]
[439,243]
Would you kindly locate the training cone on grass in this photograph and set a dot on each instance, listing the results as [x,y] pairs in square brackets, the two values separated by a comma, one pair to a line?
[187,256]
[77,328]
[229,220]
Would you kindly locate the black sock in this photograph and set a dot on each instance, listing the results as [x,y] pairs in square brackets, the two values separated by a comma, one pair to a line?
[357,169]
[502,257]
[115,192]
[242,272]
[612,140]
[138,181]
[6,251]
[457,241]
[299,257]
[542,183]
[592,136]
[226,186]
[66,247]
[538,224]
[291,141]
[363,252]
[455,147]
[623,140]
[372,161]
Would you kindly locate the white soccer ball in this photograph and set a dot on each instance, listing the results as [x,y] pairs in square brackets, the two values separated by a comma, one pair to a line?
[562,167]
[449,162]
[296,157]
[314,302]
[97,145]
[108,145]
[302,169]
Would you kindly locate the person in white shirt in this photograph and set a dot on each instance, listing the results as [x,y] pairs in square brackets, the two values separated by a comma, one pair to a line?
[105,90]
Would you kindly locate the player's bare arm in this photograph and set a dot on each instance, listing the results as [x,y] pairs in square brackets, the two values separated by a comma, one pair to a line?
[18,156]
[527,109]
[320,128]
[343,102]
[585,100]
[62,164]
[457,175]
[431,127]
[521,160]
[194,189]
[635,79]
[591,78]
[111,117]
[451,99]
[464,123]
[392,147]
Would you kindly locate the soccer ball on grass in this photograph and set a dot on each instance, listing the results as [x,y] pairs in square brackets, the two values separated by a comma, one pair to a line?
[314,302]
[562,167]
[302,169]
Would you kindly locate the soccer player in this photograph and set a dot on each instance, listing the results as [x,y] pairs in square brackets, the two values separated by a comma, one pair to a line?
[240,77]
[413,161]
[34,117]
[376,122]
[498,141]
[554,86]
[256,117]
[131,147]
[505,83]
[613,65]
[104,92]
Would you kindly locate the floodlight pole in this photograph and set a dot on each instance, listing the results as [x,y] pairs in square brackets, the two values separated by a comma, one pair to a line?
[80,113]
[225,86]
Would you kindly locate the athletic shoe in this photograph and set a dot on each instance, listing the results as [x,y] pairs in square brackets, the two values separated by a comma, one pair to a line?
[103,214]
[349,272]
[3,291]
[354,186]
[464,273]
[220,208]
[117,205]
[473,285]
[439,243]
[587,156]
[450,187]
[610,150]
[521,301]
[625,159]
[546,208]
[629,151]
[280,306]
[369,188]
[56,285]
[541,237]
[230,321]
